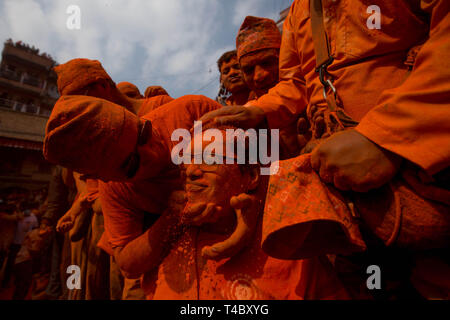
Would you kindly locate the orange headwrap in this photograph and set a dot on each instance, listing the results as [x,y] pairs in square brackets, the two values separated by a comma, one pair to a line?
[256,34]
[129,89]
[79,73]
[153,91]
[91,136]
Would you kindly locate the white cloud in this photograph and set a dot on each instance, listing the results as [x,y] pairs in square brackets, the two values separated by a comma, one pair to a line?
[254,8]
[149,42]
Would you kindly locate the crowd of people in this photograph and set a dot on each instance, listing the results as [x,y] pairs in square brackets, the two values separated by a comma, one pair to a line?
[23,241]
[363,178]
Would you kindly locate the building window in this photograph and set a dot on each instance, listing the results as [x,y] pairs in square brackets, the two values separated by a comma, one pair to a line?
[45,112]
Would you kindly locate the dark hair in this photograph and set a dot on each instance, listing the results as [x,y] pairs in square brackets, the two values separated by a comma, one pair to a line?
[226,57]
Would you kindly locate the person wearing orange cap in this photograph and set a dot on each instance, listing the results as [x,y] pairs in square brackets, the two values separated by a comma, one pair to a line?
[110,143]
[258,48]
[129,89]
[231,79]
[88,77]
[386,86]
[154,91]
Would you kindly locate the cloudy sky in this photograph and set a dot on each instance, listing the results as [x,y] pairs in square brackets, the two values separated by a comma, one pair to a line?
[172,43]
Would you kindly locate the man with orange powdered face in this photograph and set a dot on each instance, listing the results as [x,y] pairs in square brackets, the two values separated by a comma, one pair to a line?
[218,254]
[231,79]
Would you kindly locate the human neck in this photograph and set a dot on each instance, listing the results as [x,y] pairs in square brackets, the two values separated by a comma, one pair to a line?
[223,225]
[240,97]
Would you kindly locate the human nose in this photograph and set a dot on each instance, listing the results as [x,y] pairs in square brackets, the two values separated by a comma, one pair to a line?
[260,74]
[193,172]
[235,72]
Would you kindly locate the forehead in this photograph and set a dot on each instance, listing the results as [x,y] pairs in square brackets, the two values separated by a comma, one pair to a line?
[256,57]
[231,62]
[199,143]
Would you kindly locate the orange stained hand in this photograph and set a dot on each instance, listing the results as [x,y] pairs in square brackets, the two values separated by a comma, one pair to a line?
[350,161]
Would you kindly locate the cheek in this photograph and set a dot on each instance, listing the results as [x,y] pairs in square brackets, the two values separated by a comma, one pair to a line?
[248,78]
[273,70]
[224,187]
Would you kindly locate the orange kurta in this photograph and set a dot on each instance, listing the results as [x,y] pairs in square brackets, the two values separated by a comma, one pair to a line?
[249,275]
[405,112]
[408,117]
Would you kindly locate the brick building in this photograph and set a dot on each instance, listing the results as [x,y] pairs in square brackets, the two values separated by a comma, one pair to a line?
[28,92]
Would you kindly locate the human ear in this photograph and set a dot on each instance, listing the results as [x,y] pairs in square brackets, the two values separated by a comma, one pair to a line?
[254,175]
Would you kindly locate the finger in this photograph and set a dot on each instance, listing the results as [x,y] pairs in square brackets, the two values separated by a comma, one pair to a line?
[232,120]
[241,201]
[210,115]
[302,126]
[246,221]
[227,110]
[208,215]
[232,244]
[312,111]
[320,127]
[61,229]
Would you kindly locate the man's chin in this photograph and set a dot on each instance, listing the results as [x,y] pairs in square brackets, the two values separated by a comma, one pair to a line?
[237,87]
[199,212]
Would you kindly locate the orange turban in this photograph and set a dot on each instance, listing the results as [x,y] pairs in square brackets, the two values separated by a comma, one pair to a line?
[79,73]
[129,89]
[91,136]
[256,34]
[153,91]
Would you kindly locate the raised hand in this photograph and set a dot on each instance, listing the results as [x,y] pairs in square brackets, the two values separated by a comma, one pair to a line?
[65,223]
[246,209]
[238,116]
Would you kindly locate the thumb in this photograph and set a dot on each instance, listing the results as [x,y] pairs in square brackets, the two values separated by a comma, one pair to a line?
[232,120]
[245,225]
[241,201]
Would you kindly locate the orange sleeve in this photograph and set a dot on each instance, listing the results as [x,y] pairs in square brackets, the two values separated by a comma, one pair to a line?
[123,222]
[284,102]
[92,190]
[413,120]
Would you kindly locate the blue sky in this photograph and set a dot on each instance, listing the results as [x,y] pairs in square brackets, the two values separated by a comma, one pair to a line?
[172,43]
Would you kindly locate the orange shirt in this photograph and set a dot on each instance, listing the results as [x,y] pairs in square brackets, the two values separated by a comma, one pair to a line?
[249,275]
[409,117]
